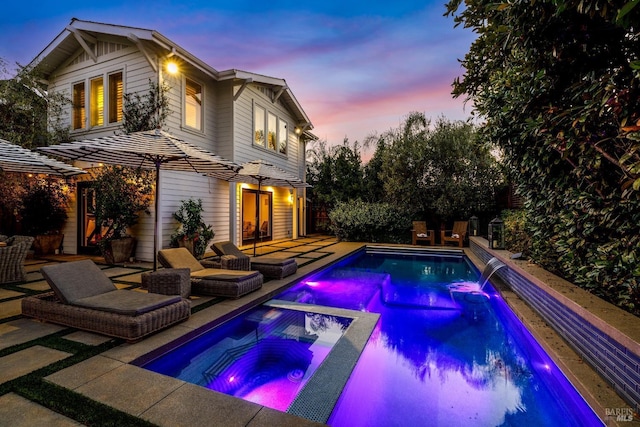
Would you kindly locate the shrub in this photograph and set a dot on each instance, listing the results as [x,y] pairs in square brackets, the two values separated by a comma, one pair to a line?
[370,222]
[44,206]
[192,230]
[516,237]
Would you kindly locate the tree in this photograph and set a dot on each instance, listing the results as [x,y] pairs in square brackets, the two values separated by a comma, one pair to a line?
[335,173]
[561,96]
[146,112]
[29,115]
[439,171]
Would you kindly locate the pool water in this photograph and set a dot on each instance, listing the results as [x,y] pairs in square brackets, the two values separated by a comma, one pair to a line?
[444,352]
[439,358]
[265,356]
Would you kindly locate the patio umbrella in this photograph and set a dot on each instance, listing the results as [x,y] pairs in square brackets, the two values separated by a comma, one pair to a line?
[148,150]
[263,173]
[14,158]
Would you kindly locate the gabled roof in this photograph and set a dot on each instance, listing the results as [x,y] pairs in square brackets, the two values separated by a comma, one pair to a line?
[80,34]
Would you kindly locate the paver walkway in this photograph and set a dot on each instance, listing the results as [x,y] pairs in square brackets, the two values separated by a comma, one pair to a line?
[123,386]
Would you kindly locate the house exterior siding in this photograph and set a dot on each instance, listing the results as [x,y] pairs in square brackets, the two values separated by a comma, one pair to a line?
[227,125]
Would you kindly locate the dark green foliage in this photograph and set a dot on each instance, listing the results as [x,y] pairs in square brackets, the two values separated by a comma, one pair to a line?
[44,206]
[441,170]
[192,228]
[121,194]
[561,96]
[29,116]
[370,222]
[516,237]
[146,112]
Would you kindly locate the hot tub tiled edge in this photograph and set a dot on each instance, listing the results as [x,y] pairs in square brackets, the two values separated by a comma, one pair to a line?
[605,336]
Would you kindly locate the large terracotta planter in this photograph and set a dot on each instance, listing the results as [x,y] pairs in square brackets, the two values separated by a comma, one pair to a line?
[46,244]
[119,250]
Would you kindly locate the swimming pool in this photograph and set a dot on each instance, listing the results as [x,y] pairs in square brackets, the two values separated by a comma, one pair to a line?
[437,357]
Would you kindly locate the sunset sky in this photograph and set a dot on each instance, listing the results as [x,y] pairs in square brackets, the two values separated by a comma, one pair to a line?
[356,67]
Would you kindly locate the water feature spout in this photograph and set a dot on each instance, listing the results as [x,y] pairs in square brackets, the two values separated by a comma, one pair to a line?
[493,265]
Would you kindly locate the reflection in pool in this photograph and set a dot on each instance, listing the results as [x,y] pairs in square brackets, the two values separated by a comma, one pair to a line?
[437,357]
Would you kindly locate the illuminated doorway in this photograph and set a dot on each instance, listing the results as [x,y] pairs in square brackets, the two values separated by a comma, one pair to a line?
[249,217]
[88,232]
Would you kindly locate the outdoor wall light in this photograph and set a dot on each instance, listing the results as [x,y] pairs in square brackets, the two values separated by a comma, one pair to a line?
[298,131]
[496,233]
[172,67]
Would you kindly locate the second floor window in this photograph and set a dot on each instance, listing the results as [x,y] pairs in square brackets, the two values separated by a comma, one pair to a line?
[193,104]
[269,130]
[105,103]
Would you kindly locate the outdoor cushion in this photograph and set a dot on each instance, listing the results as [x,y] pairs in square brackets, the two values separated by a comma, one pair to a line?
[227,248]
[272,261]
[180,258]
[226,275]
[125,302]
[76,280]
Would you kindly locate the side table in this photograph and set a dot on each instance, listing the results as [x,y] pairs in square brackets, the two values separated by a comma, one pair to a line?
[168,281]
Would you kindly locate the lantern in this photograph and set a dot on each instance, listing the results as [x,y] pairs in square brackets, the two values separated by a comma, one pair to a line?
[496,233]
[473,226]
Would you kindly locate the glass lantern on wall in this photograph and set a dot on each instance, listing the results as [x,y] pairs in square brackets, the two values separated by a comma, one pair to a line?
[496,233]
[473,226]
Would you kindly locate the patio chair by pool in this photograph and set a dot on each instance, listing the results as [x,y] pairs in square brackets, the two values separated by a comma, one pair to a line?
[84,297]
[234,258]
[456,235]
[419,233]
[13,252]
[211,281]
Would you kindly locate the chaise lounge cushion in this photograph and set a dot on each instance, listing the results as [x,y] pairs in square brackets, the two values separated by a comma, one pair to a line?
[211,281]
[128,303]
[275,268]
[72,281]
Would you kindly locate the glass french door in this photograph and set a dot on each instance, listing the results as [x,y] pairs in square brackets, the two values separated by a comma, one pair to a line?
[88,231]
[254,216]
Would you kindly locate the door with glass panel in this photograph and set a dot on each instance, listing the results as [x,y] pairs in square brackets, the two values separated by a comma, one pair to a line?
[256,219]
[88,231]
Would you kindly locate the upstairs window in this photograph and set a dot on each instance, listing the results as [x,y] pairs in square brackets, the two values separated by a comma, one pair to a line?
[96,106]
[269,130]
[193,104]
[105,103]
[115,97]
[258,125]
[283,136]
[79,110]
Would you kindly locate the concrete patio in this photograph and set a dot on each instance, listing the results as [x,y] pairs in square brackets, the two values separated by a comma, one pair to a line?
[109,377]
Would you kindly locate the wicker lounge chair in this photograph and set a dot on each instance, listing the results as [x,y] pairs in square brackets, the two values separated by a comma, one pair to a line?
[12,258]
[419,233]
[456,235]
[234,258]
[84,297]
[211,281]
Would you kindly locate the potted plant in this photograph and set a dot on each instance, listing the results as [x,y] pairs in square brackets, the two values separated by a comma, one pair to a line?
[44,213]
[121,194]
[192,233]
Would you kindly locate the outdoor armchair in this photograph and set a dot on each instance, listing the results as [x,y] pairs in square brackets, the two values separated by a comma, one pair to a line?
[419,233]
[84,297]
[211,281]
[455,235]
[12,258]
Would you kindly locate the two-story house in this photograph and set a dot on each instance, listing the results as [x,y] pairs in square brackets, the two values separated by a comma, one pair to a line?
[238,115]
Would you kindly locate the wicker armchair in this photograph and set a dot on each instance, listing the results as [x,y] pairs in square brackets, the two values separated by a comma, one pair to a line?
[12,259]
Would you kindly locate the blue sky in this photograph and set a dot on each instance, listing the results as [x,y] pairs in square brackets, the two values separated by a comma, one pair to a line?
[356,67]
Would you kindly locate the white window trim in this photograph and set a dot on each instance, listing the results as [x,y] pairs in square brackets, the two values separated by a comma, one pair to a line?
[87,100]
[265,126]
[183,101]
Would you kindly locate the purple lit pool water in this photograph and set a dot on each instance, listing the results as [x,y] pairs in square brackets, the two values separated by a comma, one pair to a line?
[434,358]
[437,359]
[265,356]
